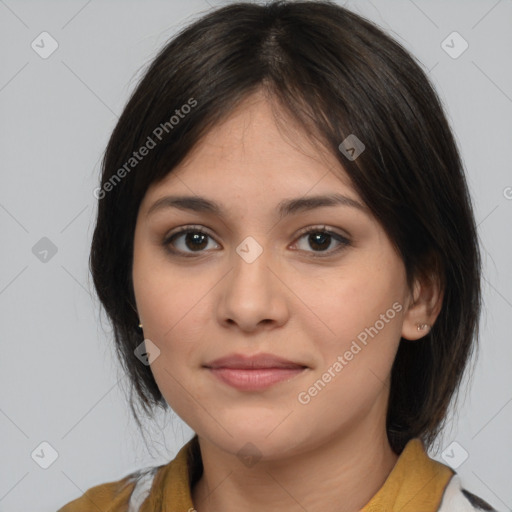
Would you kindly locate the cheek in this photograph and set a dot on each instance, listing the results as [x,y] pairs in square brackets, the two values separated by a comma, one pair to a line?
[352,298]
[363,313]
[173,303]
[357,314]
[162,295]
[181,330]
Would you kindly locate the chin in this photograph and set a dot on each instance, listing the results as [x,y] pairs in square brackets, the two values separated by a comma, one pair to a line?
[262,441]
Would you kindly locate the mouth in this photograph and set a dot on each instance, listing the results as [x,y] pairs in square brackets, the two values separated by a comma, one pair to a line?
[255,379]
[256,372]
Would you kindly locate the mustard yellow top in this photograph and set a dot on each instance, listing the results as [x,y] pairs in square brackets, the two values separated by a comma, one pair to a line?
[415,484]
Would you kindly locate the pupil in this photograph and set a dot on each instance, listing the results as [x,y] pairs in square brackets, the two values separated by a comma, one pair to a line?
[195,237]
[322,236]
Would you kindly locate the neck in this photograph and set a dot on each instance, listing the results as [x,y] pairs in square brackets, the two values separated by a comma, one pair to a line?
[347,470]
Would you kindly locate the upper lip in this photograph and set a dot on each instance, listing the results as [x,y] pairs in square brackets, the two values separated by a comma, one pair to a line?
[255,361]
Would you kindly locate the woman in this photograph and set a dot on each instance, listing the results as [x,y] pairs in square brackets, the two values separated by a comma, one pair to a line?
[286,248]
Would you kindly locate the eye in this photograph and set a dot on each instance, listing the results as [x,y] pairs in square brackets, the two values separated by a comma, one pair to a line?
[321,238]
[192,237]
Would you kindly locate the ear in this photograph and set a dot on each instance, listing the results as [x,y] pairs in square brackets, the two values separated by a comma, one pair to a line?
[425,304]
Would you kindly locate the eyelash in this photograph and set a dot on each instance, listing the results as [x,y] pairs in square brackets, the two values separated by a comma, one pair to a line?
[343,241]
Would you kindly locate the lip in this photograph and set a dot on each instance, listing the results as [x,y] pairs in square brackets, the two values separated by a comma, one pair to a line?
[254,373]
[256,361]
[256,379]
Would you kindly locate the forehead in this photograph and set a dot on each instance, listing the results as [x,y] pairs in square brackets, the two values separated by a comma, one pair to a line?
[258,150]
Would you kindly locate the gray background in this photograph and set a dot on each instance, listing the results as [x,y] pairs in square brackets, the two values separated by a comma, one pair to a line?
[60,381]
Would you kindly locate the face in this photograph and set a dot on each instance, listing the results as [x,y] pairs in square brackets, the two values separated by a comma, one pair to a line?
[320,286]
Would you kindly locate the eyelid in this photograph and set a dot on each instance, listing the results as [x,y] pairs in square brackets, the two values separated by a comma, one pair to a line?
[321,227]
[342,240]
[189,227]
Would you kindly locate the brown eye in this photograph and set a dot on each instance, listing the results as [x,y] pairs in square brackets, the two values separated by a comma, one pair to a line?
[187,240]
[320,240]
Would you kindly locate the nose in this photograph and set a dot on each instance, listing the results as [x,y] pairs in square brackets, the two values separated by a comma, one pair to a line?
[254,295]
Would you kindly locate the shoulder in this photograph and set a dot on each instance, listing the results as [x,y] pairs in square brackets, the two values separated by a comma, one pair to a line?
[126,494]
[146,489]
[458,499]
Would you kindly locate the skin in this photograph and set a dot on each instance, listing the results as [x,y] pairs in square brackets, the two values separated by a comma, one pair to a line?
[333,449]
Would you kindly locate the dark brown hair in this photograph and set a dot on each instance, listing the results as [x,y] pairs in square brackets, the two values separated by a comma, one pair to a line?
[336,74]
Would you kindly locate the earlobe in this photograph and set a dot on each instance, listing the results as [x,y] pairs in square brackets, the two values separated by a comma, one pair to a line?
[424,308]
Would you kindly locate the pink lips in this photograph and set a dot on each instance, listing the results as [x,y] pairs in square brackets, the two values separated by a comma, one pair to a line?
[253,373]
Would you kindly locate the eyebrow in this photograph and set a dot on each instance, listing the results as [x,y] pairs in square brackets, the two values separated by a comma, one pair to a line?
[284,208]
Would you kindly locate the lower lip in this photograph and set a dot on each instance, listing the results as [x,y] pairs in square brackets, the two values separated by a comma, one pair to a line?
[254,380]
